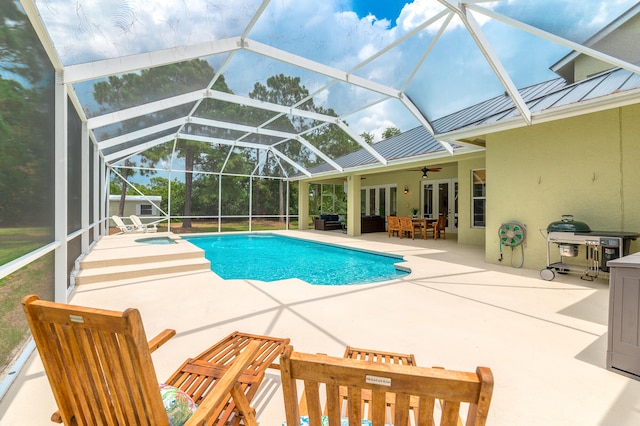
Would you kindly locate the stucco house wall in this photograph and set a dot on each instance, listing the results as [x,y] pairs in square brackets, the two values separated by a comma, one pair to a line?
[132,205]
[588,166]
[467,234]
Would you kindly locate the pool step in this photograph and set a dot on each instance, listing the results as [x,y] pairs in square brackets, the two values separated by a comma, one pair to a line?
[141,270]
[115,261]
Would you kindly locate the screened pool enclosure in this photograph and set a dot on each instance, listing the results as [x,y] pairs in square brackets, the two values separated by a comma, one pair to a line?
[249,112]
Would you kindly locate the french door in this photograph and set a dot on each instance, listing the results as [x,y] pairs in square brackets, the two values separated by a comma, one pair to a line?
[381,200]
[440,197]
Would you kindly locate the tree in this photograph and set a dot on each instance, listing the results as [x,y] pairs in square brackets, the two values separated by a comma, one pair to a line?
[390,132]
[368,137]
[26,123]
[150,85]
[328,138]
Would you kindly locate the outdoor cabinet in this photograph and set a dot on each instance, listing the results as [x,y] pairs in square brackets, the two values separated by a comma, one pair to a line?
[623,351]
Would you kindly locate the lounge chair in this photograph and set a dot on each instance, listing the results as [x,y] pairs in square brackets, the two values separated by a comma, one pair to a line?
[99,366]
[141,226]
[393,225]
[427,396]
[124,228]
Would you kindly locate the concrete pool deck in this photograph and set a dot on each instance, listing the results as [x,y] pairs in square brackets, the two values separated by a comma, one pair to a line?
[544,340]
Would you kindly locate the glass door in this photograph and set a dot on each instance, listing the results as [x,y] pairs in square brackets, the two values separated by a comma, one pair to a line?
[379,200]
[440,197]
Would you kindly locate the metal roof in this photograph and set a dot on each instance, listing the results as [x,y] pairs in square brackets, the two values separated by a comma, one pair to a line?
[414,142]
[539,97]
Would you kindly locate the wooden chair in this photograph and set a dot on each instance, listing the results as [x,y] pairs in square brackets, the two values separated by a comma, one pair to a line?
[420,396]
[437,227]
[440,227]
[406,226]
[100,370]
[382,357]
[393,225]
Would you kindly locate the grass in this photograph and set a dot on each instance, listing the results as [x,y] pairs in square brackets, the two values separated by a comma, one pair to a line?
[227,226]
[35,278]
[17,242]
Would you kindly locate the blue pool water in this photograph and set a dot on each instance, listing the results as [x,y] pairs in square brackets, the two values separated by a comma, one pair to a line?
[156,240]
[268,257]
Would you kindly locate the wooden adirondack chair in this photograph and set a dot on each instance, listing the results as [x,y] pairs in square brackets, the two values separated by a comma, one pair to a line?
[99,366]
[418,396]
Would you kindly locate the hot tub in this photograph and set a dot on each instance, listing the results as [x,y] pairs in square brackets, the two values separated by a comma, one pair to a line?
[156,240]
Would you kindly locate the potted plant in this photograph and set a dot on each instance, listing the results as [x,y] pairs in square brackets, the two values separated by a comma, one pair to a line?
[415,212]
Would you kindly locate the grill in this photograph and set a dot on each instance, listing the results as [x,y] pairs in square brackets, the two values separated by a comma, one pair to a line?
[568,236]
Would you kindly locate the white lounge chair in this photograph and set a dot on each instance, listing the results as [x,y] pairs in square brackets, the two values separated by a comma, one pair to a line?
[141,227]
[124,228]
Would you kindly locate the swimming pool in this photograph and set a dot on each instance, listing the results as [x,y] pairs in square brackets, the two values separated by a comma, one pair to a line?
[269,257]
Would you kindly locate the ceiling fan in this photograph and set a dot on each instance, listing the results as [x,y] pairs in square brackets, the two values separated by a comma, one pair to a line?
[426,170]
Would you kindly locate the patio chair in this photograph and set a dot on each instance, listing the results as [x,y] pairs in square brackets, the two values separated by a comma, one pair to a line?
[141,226]
[100,370]
[382,357]
[124,228]
[424,396]
[407,226]
[438,227]
[393,225]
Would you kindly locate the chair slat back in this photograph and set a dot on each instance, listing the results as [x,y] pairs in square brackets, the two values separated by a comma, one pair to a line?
[98,364]
[393,225]
[420,396]
[406,225]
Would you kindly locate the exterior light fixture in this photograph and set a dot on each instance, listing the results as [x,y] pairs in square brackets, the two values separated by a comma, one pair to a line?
[406,189]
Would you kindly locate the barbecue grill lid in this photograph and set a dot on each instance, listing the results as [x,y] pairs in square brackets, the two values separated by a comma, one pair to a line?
[567,224]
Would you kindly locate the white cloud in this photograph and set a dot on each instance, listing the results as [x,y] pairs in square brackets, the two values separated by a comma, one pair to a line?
[322,31]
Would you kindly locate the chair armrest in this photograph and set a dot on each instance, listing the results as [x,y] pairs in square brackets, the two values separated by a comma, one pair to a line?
[162,338]
[220,393]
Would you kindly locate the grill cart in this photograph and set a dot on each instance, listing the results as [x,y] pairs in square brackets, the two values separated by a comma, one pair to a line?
[569,235]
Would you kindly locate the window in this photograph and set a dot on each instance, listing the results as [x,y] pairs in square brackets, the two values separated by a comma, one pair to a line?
[478,197]
[146,209]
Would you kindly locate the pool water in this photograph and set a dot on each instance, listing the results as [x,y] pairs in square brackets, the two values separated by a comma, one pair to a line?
[268,257]
[156,240]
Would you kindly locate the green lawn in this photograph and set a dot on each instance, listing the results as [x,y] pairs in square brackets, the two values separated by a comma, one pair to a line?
[17,242]
[35,278]
[212,226]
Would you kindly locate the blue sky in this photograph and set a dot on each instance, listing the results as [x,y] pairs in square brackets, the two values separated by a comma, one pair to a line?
[341,34]
[381,9]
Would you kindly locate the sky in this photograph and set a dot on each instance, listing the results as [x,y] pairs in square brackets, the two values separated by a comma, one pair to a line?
[341,34]
[381,9]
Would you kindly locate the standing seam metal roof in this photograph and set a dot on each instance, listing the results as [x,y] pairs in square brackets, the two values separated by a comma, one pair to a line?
[539,97]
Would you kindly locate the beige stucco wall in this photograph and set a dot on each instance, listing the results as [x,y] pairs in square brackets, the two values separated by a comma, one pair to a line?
[458,167]
[588,166]
[467,234]
[412,179]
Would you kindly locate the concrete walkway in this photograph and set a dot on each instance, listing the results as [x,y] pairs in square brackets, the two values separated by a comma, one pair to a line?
[545,341]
